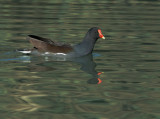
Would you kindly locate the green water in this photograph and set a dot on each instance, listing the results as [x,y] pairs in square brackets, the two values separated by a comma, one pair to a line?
[37,87]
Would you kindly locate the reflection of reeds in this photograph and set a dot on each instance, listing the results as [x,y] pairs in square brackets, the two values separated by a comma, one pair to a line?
[25,102]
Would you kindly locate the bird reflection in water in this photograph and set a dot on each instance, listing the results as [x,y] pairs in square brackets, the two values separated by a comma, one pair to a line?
[89,66]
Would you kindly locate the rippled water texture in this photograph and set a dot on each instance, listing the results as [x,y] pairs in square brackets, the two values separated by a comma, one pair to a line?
[38,87]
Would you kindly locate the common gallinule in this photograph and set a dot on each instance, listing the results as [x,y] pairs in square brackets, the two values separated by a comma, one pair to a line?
[47,46]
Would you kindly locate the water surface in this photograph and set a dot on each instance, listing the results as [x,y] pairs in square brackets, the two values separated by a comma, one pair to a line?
[34,87]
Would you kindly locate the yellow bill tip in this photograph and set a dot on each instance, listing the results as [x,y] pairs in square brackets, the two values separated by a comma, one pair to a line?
[103,37]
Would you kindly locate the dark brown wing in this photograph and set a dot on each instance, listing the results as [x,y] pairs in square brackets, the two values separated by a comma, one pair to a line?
[47,45]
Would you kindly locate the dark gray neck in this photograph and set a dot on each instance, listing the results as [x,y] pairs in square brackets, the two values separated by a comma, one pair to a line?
[86,46]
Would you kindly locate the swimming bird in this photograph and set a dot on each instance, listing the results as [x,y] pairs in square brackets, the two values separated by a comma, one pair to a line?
[47,46]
